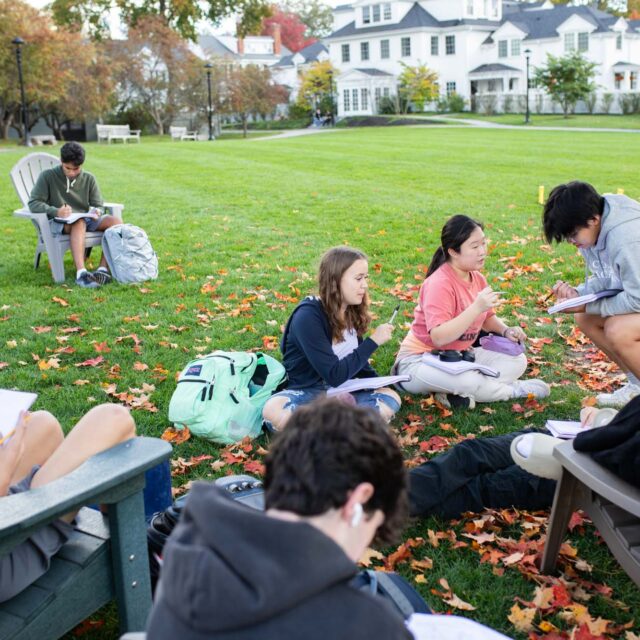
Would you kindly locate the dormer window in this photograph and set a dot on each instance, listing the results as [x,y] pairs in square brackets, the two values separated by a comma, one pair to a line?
[581,38]
[373,13]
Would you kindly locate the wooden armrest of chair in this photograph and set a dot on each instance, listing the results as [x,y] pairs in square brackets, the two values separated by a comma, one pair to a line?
[605,483]
[107,477]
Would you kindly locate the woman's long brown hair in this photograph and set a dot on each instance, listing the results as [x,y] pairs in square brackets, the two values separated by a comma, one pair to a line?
[332,267]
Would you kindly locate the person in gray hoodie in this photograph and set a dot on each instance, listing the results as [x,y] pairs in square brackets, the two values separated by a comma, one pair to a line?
[334,479]
[606,231]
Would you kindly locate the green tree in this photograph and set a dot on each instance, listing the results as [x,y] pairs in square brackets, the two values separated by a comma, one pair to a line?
[567,79]
[181,15]
[316,15]
[317,86]
[417,85]
[251,92]
[154,70]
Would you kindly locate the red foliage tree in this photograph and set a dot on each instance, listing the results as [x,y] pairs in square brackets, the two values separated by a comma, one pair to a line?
[292,29]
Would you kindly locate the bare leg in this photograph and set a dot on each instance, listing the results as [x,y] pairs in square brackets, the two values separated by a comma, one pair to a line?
[617,336]
[105,223]
[99,429]
[77,234]
[42,436]
[275,413]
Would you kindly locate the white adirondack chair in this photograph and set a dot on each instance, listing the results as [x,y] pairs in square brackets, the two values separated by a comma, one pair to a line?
[24,175]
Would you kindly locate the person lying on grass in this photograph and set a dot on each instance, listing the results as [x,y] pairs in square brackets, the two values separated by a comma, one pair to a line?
[606,232]
[324,341]
[334,479]
[38,453]
[455,305]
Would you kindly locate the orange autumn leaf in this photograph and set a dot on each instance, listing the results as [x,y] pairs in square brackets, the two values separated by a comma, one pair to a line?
[176,436]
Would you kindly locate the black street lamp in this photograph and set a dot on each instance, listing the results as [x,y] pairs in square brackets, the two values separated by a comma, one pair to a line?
[330,73]
[208,67]
[527,117]
[18,42]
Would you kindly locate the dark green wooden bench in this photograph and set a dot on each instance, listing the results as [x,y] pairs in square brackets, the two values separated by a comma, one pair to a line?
[106,557]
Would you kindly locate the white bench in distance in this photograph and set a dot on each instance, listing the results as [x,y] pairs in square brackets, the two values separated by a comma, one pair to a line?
[181,133]
[122,132]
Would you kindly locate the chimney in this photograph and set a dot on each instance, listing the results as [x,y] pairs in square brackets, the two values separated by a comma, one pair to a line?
[239,40]
[277,39]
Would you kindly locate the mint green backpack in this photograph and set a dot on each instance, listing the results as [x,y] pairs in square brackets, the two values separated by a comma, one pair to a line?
[220,396]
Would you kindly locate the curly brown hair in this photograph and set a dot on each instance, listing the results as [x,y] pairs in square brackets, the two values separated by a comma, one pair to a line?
[332,267]
[327,449]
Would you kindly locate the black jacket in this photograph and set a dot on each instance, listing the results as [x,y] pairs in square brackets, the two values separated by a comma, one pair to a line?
[616,446]
[233,573]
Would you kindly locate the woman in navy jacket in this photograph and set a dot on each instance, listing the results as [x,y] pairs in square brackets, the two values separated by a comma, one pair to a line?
[324,345]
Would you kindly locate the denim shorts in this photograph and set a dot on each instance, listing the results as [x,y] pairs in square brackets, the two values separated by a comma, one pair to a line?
[58,227]
[371,398]
[25,563]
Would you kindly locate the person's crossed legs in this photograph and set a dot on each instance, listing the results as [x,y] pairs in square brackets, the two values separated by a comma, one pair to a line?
[77,235]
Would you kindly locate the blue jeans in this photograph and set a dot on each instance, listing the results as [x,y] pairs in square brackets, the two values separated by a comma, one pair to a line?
[371,398]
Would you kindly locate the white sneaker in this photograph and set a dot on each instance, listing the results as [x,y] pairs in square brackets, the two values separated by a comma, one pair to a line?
[535,388]
[619,397]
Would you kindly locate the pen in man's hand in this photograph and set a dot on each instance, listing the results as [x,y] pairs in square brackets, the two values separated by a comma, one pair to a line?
[394,314]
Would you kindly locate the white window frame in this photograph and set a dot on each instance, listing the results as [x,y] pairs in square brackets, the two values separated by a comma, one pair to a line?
[405,47]
[619,41]
[450,88]
[385,44]
[583,41]
[516,47]
[435,50]
[364,98]
[346,100]
[345,48]
[569,42]
[503,48]
[366,14]
[354,99]
[386,11]
[375,13]
[450,45]
[365,51]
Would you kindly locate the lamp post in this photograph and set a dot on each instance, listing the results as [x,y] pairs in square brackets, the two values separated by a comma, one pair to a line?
[527,117]
[330,73]
[208,67]
[18,42]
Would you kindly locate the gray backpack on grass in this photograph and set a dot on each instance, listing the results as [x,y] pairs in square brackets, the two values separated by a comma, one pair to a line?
[129,254]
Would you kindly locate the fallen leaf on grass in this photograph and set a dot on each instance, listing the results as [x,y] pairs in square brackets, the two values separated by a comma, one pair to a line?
[91,362]
[176,436]
[522,619]
[368,556]
[457,603]
[61,301]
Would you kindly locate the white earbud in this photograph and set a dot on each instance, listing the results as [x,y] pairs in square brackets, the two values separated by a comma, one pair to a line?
[357,514]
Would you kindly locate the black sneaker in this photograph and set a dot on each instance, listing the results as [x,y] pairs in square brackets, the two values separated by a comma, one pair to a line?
[102,277]
[452,401]
[87,281]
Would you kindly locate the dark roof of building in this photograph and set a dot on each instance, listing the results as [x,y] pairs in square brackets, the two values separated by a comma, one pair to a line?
[309,53]
[627,65]
[484,68]
[529,17]
[343,7]
[213,46]
[373,72]
[540,23]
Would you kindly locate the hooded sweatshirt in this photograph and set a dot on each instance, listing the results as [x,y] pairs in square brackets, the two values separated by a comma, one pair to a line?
[53,190]
[614,261]
[234,573]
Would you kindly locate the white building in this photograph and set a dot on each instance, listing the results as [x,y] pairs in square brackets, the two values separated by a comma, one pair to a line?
[477,47]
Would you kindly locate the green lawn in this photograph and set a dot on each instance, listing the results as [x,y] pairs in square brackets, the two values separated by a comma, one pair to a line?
[251,218]
[558,120]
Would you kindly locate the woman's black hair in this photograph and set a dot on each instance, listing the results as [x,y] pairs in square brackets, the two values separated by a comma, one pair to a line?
[455,233]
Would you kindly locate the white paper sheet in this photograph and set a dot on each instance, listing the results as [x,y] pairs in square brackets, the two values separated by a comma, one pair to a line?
[11,404]
[357,384]
[440,627]
[580,300]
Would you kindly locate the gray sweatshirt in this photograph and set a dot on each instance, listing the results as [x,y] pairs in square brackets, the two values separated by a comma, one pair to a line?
[614,261]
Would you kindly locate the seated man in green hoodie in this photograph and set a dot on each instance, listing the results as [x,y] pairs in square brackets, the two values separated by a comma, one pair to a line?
[606,232]
[66,189]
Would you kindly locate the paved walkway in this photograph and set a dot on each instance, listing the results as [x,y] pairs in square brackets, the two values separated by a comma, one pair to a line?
[446,122]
